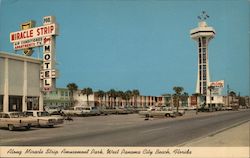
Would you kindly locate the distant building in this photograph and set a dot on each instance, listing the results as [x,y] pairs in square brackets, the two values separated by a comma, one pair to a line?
[139,101]
[57,98]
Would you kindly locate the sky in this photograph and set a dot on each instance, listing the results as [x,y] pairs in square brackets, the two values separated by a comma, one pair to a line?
[138,44]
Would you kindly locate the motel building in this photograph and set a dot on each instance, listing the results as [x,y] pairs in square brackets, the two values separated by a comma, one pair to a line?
[20,83]
[110,102]
[59,98]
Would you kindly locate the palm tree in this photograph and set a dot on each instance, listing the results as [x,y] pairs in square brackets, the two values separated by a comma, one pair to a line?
[72,87]
[120,94]
[87,91]
[135,94]
[178,91]
[112,94]
[128,95]
[105,98]
[197,95]
[100,94]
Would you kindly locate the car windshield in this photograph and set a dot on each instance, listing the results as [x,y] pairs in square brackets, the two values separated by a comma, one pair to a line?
[17,115]
[42,114]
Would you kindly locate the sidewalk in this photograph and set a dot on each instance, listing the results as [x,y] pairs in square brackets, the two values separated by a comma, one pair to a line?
[237,136]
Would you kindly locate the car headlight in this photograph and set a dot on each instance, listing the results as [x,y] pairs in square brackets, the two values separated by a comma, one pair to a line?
[50,120]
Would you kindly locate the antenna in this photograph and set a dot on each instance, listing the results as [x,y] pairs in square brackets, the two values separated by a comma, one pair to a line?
[203,16]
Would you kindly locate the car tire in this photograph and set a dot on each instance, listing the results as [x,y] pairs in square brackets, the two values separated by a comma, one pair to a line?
[11,127]
[167,115]
[27,127]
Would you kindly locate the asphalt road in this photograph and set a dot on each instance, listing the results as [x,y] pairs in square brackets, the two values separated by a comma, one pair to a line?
[125,130]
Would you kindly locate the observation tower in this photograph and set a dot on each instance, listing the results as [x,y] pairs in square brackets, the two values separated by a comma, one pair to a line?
[202,35]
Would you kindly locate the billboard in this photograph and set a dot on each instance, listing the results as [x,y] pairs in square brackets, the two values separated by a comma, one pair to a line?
[217,84]
[36,32]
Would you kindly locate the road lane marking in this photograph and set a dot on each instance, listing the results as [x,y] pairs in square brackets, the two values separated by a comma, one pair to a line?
[154,130]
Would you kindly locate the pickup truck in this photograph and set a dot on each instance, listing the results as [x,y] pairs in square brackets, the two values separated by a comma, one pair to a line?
[44,118]
[154,112]
[14,120]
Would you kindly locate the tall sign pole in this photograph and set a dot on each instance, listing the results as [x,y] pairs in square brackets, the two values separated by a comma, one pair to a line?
[44,36]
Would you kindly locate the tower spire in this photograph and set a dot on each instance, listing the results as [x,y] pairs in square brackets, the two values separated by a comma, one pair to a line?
[203,16]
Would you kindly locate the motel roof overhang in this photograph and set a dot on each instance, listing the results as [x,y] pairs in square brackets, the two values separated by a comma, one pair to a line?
[20,57]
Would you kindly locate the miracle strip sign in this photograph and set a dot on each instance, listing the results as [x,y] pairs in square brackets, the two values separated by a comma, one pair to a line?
[36,37]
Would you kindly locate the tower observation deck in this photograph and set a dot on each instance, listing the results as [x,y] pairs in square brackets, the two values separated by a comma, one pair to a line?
[202,35]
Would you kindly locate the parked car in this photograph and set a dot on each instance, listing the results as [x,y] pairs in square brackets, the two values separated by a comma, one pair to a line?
[81,111]
[107,111]
[157,112]
[115,110]
[90,111]
[72,112]
[44,118]
[179,113]
[14,120]
[54,110]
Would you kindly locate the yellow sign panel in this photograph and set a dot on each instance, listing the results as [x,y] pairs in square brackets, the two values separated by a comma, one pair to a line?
[25,26]
[28,25]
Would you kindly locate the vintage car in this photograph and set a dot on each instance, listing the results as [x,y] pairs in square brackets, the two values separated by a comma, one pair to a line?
[81,111]
[157,112]
[114,110]
[14,120]
[90,111]
[44,118]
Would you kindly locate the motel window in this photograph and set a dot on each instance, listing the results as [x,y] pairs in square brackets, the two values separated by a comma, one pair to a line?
[15,103]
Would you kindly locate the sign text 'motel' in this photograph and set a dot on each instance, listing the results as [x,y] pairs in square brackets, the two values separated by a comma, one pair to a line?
[40,36]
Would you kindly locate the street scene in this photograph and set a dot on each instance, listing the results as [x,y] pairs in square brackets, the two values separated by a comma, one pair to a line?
[134,130]
[124,74]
